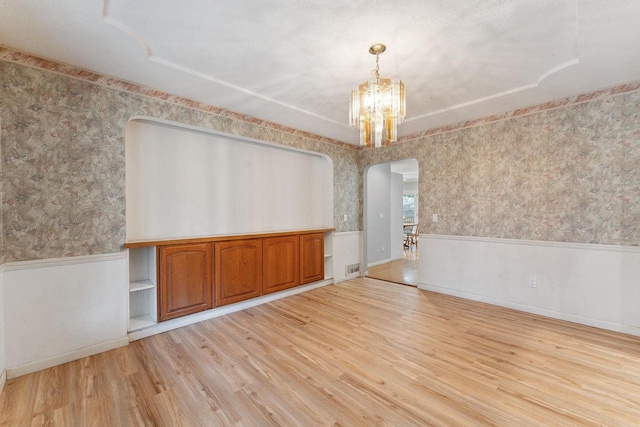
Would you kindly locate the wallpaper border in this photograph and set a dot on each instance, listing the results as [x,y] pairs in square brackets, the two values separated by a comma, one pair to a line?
[27,59]
[551,105]
[23,58]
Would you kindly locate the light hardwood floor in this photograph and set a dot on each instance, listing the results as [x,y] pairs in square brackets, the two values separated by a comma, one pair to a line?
[404,270]
[358,353]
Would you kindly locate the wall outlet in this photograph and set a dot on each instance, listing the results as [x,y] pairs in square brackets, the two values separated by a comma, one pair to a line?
[346,218]
[382,248]
[434,217]
[381,215]
[533,283]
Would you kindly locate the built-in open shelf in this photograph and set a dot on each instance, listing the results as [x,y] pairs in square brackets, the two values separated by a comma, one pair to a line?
[328,255]
[141,322]
[142,287]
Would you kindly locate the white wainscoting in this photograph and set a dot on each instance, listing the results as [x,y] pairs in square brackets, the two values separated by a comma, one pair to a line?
[596,285]
[3,364]
[3,380]
[347,250]
[59,310]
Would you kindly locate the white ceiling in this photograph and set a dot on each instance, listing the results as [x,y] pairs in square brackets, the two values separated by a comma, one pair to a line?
[294,62]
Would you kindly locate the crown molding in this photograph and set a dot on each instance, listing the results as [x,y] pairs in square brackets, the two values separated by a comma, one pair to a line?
[23,58]
[551,105]
[27,59]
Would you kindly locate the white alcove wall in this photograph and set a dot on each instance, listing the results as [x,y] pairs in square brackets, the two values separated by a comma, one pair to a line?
[186,182]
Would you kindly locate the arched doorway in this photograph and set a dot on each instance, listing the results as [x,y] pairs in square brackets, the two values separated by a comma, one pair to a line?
[390,217]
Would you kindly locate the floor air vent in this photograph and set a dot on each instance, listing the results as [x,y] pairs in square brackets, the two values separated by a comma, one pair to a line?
[353,268]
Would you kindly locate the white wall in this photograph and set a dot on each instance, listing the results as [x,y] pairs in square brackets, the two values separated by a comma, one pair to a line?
[183,182]
[395,217]
[410,187]
[384,214]
[59,310]
[378,212]
[3,363]
[346,251]
[595,285]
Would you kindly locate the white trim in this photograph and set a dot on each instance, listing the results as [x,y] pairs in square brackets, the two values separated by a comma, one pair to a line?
[523,88]
[570,245]
[348,277]
[59,262]
[384,261]
[373,264]
[3,376]
[631,330]
[3,380]
[346,233]
[28,368]
[216,312]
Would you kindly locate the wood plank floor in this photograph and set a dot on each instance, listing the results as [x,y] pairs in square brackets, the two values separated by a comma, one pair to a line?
[358,353]
[404,270]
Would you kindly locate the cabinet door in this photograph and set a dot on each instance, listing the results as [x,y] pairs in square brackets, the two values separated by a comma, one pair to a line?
[281,263]
[311,257]
[185,279]
[238,270]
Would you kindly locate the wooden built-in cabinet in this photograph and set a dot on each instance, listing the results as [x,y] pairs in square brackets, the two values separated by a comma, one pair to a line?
[185,273]
[197,274]
[281,263]
[238,270]
[311,258]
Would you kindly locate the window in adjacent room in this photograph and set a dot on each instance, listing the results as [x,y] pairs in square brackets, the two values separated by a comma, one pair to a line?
[409,202]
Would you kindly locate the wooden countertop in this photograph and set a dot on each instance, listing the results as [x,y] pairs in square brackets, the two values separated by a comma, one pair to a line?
[220,238]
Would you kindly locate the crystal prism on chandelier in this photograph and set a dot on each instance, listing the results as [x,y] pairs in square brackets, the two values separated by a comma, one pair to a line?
[377,107]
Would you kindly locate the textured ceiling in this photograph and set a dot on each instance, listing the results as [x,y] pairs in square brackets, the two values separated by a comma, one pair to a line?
[295,62]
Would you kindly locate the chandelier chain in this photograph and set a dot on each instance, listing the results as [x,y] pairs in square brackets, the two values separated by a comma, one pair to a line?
[376,72]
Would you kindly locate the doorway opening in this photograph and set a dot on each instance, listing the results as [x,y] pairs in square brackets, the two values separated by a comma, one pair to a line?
[391,226]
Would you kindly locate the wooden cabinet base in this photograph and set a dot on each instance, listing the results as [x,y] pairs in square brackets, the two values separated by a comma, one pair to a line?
[238,270]
[202,274]
[311,258]
[281,263]
[185,273]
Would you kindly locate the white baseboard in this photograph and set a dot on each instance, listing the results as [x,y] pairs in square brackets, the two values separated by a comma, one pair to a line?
[631,330]
[348,277]
[384,261]
[28,368]
[216,312]
[3,380]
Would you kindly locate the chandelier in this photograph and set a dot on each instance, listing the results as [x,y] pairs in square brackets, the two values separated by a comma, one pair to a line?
[377,107]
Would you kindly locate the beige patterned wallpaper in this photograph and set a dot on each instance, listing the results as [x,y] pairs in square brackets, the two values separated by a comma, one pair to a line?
[563,171]
[62,145]
[570,174]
